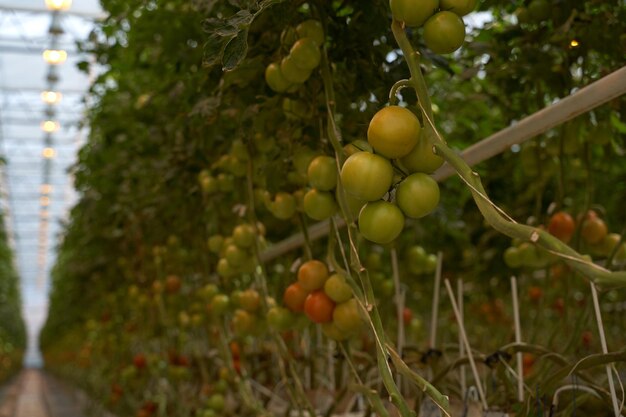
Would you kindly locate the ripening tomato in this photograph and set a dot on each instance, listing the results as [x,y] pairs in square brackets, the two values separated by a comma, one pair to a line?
[235,255]
[311,29]
[381,222]
[593,230]
[322,173]
[294,297]
[280,318]
[535,293]
[460,7]
[393,131]
[444,33]
[249,300]
[319,205]
[562,226]
[292,72]
[417,195]
[333,332]
[172,284]
[219,304]
[140,361]
[407,316]
[243,322]
[337,288]
[283,206]
[422,158]
[413,12]
[367,176]
[275,78]
[224,268]
[306,54]
[312,275]
[347,316]
[318,307]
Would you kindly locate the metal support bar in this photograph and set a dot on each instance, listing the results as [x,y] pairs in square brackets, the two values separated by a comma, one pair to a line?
[584,100]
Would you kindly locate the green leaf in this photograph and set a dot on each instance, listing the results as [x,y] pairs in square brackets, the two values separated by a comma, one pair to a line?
[235,51]
[213,49]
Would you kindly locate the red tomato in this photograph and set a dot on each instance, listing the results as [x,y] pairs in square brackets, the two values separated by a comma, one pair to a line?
[562,226]
[318,307]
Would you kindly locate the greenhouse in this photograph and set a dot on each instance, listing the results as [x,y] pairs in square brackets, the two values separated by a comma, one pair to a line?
[271,208]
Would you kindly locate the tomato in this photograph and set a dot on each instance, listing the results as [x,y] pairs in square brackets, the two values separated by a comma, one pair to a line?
[312,275]
[140,361]
[381,222]
[235,255]
[216,402]
[306,54]
[244,235]
[275,78]
[416,259]
[586,338]
[243,322]
[294,297]
[225,182]
[460,7]
[283,206]
[422,158]
[539,10]
[347,316]
[393,131]
[302,158]
[249,300]
[513,257]
[224,269]
[172,284]
[407,316]
[319,205]
[280,318]
[562,226]
[311,29]
[207,182]
[357,146]
[535,293]
[292,72]
[215,243]
[322,173]
[366,176]
[318,307]
[333,332]
[417,195]
[444,33]
[337,288]
[593,230]
[413,12]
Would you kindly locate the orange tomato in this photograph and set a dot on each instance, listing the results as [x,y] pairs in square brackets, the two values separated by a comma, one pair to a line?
[295,297]
[562,226]
[312,275]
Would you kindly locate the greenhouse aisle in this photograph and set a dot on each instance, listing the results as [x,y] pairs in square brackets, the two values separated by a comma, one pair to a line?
[34,394]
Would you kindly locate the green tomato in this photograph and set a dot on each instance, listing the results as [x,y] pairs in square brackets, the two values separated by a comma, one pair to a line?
[215,243]
[224,268]
[421,158]
[381,222]
[244,323]
[244,235]
[280,318]
[275,78]
[322,173]
[417,195]
[306,54]
[225,182]
[207,182]
[444,32]
[347,316]
[337,288]
[219,304]
[367,176]
[235,255]
[283,206]
[460,7]
[413,12]
[311,29]
[416,259]
[216,402]
[333,332]
[393,131]
[319,205]
[292,72]
[512,257]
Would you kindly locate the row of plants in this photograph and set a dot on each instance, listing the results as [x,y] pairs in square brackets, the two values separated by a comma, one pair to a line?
[220,130]
[12,329]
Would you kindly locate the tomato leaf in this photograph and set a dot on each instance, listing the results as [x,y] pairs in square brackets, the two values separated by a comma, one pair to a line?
[235,51]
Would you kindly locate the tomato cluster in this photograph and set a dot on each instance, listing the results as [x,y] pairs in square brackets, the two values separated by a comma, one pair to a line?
[325,299]
[236,251]
[444,30]
[595,241]
[304,56]
[368,175]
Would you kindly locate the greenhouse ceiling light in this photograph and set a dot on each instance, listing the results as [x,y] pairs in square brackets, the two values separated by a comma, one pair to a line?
[58,4]
[574,43]
[46,189]
[44,201]
[50,126]
[48,153]
[51,97]
[54,56]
